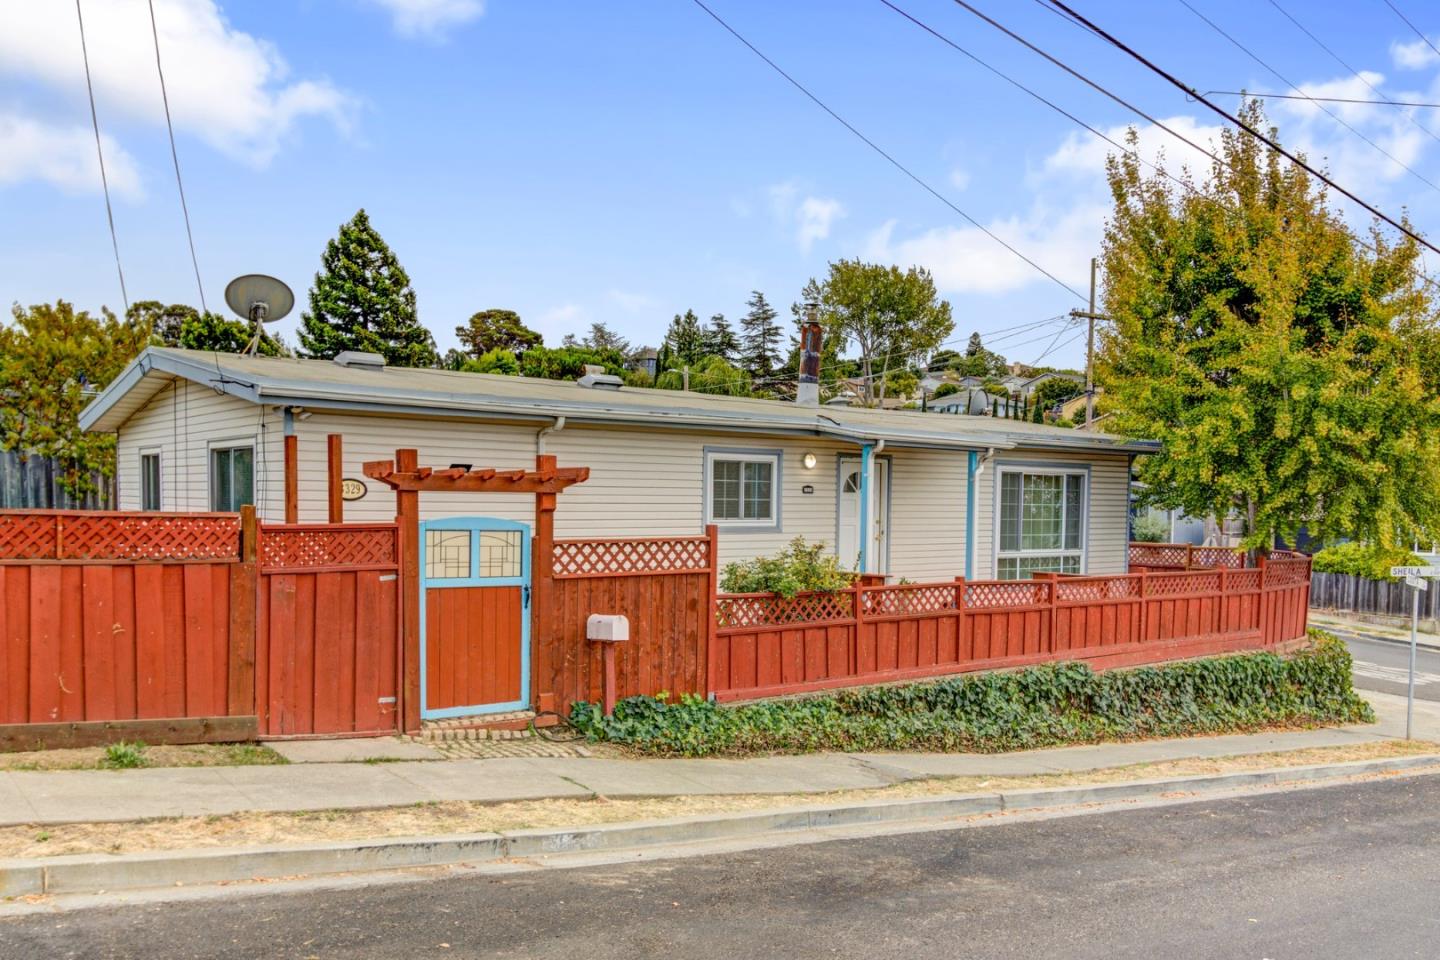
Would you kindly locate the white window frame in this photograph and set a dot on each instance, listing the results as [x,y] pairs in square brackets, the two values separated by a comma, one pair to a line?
[158,454]
[775,458]
[213,447]
[1024,469]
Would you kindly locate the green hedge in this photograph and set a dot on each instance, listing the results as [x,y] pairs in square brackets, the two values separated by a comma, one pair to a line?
[1055,704]
[1362,560]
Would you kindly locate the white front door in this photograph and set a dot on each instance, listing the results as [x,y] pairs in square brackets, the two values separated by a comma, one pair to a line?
[847,544]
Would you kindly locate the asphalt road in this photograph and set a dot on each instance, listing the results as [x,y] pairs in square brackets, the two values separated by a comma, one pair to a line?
[1383,665]
[1338,872]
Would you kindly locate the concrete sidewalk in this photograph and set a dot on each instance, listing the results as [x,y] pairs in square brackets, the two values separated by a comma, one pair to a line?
[95,795]
[1359,625]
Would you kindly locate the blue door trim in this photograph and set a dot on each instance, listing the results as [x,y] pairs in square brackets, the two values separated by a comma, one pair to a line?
[477,525]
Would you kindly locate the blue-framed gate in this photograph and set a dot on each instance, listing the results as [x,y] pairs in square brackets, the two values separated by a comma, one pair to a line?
[474,616]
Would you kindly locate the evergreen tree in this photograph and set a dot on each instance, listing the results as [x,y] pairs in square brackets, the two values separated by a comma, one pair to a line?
[496,329]
[719,340]
[210,331]
[760,337]
[602,337]
[684,341]
[362,300]
[975,347]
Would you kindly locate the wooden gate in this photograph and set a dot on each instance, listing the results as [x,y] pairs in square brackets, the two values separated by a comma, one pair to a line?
[475,617]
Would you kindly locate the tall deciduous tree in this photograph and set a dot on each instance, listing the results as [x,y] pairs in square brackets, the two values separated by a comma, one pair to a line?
[362,300]
[496,329]
[1276,358]
[53,359]
[760,337]
[894,317]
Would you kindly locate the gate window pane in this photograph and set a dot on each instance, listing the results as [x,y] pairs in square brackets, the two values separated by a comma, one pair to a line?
[447,554]
[500,553]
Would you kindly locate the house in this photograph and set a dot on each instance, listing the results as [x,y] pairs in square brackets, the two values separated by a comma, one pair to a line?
[902,493]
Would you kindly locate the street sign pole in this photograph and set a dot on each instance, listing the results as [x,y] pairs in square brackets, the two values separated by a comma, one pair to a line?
[1417,579]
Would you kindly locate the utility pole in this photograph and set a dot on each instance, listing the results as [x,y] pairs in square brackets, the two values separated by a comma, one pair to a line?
[1091,316]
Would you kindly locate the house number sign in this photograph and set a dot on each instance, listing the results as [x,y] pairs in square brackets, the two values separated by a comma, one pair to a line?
[352,489]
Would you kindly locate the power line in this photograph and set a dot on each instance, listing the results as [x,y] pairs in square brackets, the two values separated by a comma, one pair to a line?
[1413,272]
[1287,96]
[175,156]
[1358,75]
[1296,87]
[1412,26]
[104,182]
[878,149]
[1297,161]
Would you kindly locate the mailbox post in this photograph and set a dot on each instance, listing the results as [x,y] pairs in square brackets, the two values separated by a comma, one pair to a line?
[608,629]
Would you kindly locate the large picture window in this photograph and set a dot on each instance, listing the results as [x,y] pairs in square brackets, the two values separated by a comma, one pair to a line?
[1042,523]
[743,489]
[232,477]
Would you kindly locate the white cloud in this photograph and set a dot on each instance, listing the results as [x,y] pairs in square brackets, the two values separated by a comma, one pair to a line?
[1414,56]
[558,321]
[1352,161]
[1082,154]
[810,217]
[630,301]
[959,178]
[63,156]
[430,18]
[230,89]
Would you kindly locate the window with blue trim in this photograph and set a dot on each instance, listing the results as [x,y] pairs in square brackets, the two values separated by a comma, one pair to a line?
[743,488]
[1042,523]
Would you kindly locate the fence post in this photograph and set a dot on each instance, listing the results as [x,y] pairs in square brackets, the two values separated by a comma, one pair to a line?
[292,478]
[712,622]
[1189,555]
[334,469]
[407,514]
[1144,604]
[1222,615]
[545,656]
[244,604]
[959,619]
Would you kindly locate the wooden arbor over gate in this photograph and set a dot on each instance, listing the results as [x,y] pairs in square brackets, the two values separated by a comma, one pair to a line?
[408,480]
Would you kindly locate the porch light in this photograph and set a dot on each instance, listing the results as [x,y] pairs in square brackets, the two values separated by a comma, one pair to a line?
[808,461]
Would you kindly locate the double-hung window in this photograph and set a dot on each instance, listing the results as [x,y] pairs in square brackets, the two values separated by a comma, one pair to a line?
[1042,523]
[743,489]
[232,477]
[149,481]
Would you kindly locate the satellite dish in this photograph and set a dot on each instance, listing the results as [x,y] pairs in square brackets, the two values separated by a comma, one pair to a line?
[258,298]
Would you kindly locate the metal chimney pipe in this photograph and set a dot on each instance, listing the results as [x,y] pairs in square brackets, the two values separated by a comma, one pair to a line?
[807,391]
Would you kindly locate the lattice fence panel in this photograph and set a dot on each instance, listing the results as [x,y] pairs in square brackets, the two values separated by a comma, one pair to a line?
[588,558]
[1158,554]
[1227,557]
[1090,589]
[989,594]
[908,599]
[746,610]
[27,537]
[1286,573]
[1242,580]
[284,547]
[74,535]
[1182,584]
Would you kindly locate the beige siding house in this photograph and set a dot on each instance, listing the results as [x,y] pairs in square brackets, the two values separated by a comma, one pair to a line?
[907,494]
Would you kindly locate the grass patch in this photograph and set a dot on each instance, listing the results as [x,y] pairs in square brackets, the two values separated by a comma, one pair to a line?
[1051,705]
[440,817]
[123,757]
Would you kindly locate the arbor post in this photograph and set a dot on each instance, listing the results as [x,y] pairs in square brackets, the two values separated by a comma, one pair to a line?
[407,515]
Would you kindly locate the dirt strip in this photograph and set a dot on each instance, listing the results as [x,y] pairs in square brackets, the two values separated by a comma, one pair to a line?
[264,829]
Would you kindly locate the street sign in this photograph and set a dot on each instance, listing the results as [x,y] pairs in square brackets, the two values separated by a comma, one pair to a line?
[1415,572]
[1419,583]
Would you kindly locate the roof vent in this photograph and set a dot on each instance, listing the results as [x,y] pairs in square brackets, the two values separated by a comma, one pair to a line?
[359,360]
[840,400]
[597,379]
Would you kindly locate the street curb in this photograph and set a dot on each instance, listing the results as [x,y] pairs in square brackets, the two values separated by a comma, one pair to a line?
[1352,628]
[89,873]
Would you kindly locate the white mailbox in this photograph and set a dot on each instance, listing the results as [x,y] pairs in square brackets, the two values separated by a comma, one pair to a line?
[607,627]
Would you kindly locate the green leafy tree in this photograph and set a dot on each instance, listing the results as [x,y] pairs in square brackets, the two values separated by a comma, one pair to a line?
[362,300]
[496,329]
[895,318]
[53,360]
[493,361]
[162,320]
[1057,390]
[710,375]
[1275,357]
[568,363]
[760,337]
[210,331]
[602,338]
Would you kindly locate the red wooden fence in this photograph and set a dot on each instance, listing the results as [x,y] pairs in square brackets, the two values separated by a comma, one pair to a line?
[665,585]
[117,618]
[327,650]
[769,646]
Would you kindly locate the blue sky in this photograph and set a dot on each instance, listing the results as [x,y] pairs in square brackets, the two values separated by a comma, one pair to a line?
[622,161]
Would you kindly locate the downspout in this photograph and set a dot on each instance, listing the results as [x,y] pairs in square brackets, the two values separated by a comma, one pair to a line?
[544,432]
[867,458]
[971,475]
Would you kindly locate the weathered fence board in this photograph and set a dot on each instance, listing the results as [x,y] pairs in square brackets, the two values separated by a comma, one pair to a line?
[1352,594]
[32,482]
